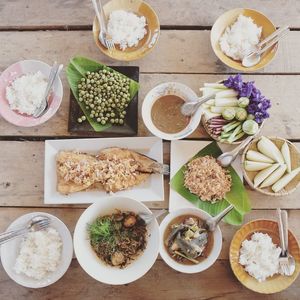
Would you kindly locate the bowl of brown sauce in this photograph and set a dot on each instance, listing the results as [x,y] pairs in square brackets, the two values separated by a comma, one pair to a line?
[185,244]
[161,111]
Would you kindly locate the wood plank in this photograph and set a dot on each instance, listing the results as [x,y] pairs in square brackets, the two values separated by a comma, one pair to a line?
[18,186]
[70,216]
[193,52]
[216,282]
[21,184]
[160,283]
[283,90]
[170,12]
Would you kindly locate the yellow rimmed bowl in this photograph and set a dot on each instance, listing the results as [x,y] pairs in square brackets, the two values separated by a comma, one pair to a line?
[145,45]
[276,283]
[295,163]
[227,19]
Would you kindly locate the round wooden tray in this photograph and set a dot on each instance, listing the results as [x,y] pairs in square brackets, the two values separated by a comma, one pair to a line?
[295,161]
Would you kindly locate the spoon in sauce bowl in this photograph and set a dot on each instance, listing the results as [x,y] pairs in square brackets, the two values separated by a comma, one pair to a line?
[189,108]
[212,223]
[226,158]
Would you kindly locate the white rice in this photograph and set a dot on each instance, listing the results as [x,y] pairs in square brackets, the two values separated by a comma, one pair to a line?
[26,93]
[40,253]
[260,256]
[126,28]
[240,39]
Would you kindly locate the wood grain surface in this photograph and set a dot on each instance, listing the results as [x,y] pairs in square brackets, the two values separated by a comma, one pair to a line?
[60,29]
[171,12]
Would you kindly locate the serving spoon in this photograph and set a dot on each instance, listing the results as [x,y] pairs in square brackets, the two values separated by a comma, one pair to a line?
[189,108]
[254,57]
[36,223]
[211,223]
[227,158]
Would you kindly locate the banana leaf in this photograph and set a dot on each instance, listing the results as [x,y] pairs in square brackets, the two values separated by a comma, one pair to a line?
[76,69]
[236,196]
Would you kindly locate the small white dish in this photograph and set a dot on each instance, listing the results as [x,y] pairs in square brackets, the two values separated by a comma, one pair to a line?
[16,70]
[203,265]
[150,190]
[10,251]
[170,88]
[93,265]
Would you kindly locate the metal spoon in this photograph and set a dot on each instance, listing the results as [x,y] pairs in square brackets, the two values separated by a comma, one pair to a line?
[289,271]
[254,58]
[189,108]
[149,217]
[226,158]
[35,224]
[212,223]
[54,72]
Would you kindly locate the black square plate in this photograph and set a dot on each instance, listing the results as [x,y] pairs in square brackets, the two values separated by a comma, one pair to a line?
[130,126]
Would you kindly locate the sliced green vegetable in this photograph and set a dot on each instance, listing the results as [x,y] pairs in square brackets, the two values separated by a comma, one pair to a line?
[285,180]
[262,175]
[235,132]
[274,177]
[231,126]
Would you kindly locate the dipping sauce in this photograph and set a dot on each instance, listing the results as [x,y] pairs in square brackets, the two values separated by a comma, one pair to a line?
[193,224]
[166,114]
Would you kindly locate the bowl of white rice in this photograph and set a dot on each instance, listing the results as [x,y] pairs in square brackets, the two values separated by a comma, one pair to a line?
[39,258]
[22,89]
[132,25]
[237,32]
[254,257]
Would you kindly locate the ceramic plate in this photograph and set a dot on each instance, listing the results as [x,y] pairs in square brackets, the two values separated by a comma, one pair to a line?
[181,153]
[93,265]
[144,46]
[150,190]
[274,284]
[16,70]
[227,19]
[10,251]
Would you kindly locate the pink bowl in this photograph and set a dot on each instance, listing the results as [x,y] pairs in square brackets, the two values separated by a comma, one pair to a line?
[16,70]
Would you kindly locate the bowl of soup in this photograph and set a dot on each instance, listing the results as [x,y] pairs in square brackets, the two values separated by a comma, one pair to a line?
[161,111]
[185,243]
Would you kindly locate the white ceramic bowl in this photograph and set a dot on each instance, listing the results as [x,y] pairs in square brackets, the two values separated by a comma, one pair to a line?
[92,264]
[170,88]
[16,70]
[203,265]
[10,250]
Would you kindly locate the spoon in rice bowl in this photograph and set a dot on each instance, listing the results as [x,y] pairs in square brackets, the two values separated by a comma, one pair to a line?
[254,58]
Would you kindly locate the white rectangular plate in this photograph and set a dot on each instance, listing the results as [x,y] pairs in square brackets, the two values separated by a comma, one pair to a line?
[181,152]
[151,190]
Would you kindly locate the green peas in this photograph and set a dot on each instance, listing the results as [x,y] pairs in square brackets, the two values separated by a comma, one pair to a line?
[83,118]
[79,120]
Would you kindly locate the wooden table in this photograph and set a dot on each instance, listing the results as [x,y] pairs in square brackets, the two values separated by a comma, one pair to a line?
[58,30]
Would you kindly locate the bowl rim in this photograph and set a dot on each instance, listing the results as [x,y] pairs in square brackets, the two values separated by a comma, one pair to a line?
[245,173]
[147,106]
[189,269]
[231,250]
[144,53]
[67,259]
[60,89]
[274,48]
[97,207]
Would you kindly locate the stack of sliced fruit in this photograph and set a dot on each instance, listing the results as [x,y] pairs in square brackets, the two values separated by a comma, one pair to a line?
[273,165]
[227,119]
